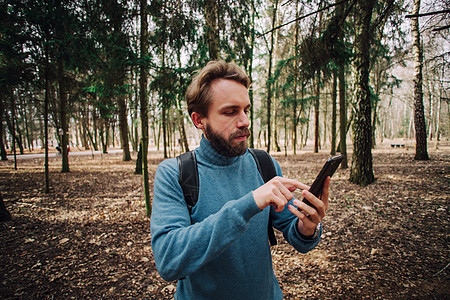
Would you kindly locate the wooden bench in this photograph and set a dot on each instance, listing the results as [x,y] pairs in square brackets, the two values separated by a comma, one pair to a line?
[398,145]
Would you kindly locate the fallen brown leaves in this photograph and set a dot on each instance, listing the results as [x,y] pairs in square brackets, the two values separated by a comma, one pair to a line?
[89,237]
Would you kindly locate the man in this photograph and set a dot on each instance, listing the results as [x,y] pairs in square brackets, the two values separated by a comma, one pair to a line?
[220,249]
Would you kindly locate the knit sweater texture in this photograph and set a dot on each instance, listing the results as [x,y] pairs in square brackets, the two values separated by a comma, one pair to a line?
[220,250]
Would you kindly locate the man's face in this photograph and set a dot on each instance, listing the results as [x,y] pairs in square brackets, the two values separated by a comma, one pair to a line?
[226,126]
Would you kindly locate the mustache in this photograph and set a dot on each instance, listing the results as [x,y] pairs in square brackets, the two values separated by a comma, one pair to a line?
[240,132]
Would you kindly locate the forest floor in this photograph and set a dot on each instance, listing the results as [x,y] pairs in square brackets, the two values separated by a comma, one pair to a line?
[89,238]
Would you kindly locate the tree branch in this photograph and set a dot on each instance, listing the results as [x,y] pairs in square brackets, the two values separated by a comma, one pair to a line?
[302,17]
[428,14]
[384,14]
[441,28]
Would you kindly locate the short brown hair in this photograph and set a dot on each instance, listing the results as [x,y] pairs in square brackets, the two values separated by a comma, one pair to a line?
[198,93]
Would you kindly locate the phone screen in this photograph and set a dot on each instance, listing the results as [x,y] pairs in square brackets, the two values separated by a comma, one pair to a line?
[328,170]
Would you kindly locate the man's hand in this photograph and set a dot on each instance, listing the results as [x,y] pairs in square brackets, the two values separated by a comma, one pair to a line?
[309,216]
[277,192]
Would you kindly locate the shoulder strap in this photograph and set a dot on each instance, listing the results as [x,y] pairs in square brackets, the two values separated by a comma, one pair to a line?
[188,178]
[267,170]
[264,163]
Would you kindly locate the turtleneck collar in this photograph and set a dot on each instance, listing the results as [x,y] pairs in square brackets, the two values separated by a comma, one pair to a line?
[208,153]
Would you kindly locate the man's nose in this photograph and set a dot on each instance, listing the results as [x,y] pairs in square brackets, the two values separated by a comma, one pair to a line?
[243,120]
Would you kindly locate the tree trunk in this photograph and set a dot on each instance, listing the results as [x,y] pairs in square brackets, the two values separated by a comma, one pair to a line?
[144,105]
[103,132]
[362,169]
[164,127]
[4,213]
[93,136]
[295,118]
[430,111]
[64,129]
[183,137]
[3,153]
[419,114]
[374,123]
[64,132]
[325,119]
[164,108]
[13,127]
[380,75]
[316,113]
[27,125]
[269,77]
[123,126]
[302,111]
[158,135]
[134,122]
[138,169]
[46,100]
[250,71]
[84,126]
[342,118]
[438,119]
[305,142]
[275,131]
[212,30]
[333,113]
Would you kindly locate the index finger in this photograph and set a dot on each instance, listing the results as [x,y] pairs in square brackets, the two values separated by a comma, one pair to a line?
[292,184]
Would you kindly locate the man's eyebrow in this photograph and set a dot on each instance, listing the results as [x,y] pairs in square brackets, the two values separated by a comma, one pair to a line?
[235,107]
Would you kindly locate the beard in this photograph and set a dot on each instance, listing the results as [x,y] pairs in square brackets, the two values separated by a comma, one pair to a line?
[225,146]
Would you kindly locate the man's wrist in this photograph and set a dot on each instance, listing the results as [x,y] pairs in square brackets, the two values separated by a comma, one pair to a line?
[314,236]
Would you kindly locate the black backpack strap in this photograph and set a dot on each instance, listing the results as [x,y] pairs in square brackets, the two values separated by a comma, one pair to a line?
[267,170]
[265,164]
[188,178]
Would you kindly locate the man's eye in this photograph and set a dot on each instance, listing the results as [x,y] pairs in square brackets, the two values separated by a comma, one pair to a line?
[229,113]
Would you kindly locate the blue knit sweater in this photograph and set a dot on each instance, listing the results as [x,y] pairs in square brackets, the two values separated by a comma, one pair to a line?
[221,249]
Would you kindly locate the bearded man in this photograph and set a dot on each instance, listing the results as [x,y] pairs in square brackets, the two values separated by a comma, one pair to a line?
[219,248]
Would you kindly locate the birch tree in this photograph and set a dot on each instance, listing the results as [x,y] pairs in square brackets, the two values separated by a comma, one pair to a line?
[419,114]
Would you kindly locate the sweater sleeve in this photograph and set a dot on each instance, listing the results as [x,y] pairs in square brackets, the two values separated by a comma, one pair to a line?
[181,248]
[286,222]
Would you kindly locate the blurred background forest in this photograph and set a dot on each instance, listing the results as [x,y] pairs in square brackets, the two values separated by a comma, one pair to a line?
[96,74]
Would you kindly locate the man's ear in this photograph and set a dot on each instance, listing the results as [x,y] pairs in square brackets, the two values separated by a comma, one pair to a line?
[198,120]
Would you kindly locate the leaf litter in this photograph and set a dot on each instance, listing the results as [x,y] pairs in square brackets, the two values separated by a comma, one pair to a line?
[89,237]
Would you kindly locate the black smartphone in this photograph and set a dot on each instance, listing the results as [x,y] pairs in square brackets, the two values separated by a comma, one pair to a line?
[328,170]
